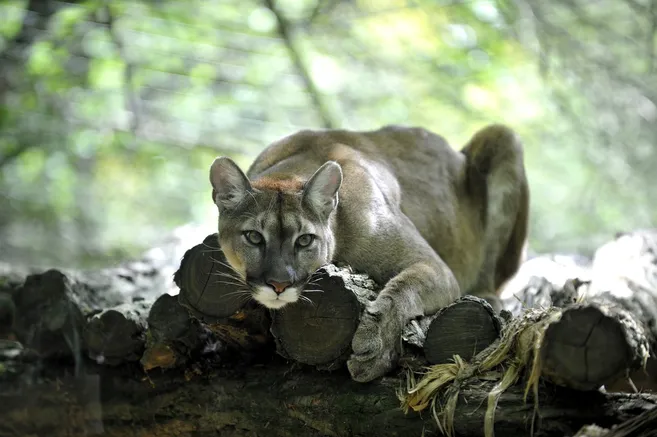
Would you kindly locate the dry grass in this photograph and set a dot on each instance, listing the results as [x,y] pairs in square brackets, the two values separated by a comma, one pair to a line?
[503,361]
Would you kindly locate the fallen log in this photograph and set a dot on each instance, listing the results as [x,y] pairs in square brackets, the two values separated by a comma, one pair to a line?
[117,335]
[318,331]
[288,401]
[209,288]
[624,273]
[215,295]
[464,328]
[50,307]
[173,335]
[591,345]
[606,336]
[610,333]
[51,312]
[274,400]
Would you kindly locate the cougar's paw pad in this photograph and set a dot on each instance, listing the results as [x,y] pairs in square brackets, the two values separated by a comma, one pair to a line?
[374,347]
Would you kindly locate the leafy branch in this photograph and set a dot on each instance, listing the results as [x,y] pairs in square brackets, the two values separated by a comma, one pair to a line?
[132,101]
[285,31]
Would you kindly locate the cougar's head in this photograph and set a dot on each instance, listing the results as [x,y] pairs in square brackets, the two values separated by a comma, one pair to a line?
[275,233]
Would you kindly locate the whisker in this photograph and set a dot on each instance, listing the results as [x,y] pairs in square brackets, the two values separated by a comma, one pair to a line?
[228,266]
[225,265]
[313,291]
[227,275]
[229,283]
[221,262]
[306,299]
[241,296]
[236,293]
[212,248]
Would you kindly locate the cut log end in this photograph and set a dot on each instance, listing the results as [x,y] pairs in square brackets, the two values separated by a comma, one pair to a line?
[172,333]
[48,314]
[464,328]
[208,285]
[116,335]
[167,319]
[319,332]
[590,346]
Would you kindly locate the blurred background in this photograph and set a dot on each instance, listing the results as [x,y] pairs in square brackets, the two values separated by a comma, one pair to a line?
[112,111]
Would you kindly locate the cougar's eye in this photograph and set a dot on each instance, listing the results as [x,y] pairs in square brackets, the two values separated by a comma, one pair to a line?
[254,237]
[305,240]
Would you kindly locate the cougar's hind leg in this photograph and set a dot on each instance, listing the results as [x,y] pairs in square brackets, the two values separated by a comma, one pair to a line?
[497,184]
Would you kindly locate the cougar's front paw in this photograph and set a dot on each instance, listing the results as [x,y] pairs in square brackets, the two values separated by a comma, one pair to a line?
[376,344]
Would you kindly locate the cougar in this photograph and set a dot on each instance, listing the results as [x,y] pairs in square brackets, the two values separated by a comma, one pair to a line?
[397,203]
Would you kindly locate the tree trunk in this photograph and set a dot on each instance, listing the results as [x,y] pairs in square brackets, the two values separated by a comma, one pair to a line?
[611,331]
[275,400]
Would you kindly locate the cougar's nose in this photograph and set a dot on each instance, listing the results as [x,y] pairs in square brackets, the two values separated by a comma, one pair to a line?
[279,287]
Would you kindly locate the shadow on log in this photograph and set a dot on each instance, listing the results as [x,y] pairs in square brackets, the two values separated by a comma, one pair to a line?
[215,295]
[273,400]
[117,335]
[172,335]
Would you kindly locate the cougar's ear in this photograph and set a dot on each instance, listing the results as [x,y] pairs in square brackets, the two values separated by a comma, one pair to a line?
[321,191]
[229,183]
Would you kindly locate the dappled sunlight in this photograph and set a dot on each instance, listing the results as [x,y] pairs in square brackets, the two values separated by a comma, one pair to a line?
[113,114]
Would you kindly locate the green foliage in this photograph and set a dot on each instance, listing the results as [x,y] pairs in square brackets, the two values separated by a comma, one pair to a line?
[113,115]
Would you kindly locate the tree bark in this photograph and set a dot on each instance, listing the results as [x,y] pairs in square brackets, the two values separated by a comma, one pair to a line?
[609,324]
[275,400]
[49,311]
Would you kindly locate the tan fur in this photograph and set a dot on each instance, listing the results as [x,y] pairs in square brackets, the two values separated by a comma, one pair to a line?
[233,258]
[284,185]
[427,221]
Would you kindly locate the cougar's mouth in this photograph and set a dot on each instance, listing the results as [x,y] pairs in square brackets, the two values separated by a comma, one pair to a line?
[266,296]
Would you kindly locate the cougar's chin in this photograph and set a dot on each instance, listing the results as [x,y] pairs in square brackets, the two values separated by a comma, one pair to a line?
[272,300]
